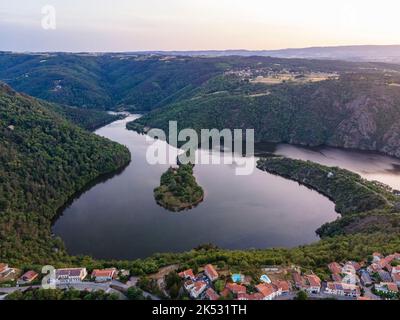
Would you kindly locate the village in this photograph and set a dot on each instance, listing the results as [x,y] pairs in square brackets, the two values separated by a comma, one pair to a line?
[375,279]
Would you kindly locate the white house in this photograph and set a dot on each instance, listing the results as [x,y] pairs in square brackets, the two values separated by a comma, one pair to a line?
[198,289]
[342,289]
[70,275]
[313,284]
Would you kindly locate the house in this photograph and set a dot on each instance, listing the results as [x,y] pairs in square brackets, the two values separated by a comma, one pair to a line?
[336,277]
[6,271]
[298,280]
[355,265]
[335,268]
[188,285]
[104,275]
[210,272]
[198,289]
[236,288]
[396,270]
[384,263]
[385,276]
[267,290]
[396,278]
[28,277]
[374,268]
[283,287]
[70,275]
[342,289]
[124,273]
[365,278]
[386,287]
[348,268]
[350,278]
[254,296]
[376,257]
[211,294]
[3,268]
[225,293]
[313,283]
[187,274]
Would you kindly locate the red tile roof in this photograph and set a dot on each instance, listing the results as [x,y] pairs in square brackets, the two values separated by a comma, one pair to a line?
[336,277]
[391,286]
[187,274]
[105,273]
[396,277]
[3,267]
[335,267]
[211,294]
[236,288]
[265,289]
[281,285]
[297,279]
[256,296]
[30,276]
[210,270]
[313,280]
[225,293]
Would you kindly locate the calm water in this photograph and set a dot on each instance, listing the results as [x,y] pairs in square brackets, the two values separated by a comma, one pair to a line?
[119,218]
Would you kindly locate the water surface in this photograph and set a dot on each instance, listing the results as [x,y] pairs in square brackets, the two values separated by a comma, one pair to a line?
[119,218]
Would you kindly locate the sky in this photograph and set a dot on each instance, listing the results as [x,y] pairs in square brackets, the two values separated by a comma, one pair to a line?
[136,25]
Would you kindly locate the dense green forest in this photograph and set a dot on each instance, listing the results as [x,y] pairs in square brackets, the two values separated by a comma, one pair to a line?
[178,189]
[85,118]
[58,294]
[44,160]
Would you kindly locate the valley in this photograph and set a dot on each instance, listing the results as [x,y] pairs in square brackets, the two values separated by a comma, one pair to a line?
[317,104]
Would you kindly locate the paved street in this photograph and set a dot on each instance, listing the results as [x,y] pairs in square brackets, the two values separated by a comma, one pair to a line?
[109,287]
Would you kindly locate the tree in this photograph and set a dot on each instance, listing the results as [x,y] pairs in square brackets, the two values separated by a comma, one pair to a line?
[301,295]
[134,293]
[219,285]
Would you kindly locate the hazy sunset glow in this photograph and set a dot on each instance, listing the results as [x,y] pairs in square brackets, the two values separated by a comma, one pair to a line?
[128,25]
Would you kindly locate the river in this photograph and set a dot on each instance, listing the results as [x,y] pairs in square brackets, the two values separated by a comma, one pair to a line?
[119,218]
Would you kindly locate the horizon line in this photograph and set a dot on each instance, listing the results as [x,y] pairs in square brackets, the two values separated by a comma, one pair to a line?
[205,50]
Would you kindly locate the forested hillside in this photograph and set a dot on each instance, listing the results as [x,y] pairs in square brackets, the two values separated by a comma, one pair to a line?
[44,160]
[357,110]
[139,82]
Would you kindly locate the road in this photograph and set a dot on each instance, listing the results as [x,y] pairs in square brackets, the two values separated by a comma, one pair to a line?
[109,287]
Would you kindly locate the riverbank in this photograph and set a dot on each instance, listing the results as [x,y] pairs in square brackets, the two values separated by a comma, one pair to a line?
[366,206]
